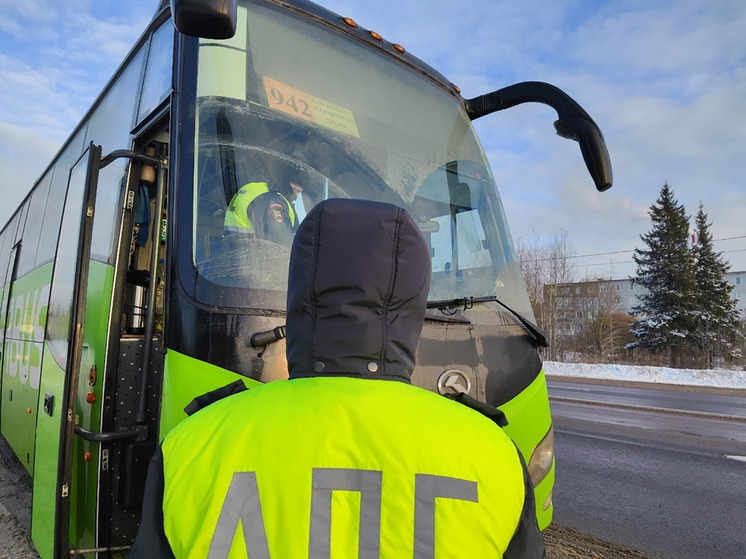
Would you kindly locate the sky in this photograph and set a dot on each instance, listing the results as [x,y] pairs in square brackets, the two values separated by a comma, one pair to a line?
[664,80]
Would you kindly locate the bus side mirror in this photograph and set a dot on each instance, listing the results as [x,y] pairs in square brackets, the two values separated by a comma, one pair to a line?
[592,146]
[209,19]
[573,123]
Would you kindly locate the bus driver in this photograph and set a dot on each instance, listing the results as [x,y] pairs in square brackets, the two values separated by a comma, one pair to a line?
[265,210]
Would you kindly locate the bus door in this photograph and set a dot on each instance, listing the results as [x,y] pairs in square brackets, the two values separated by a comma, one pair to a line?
[108,385]
[93,444]
[53,466]
[14,420]
[136,354]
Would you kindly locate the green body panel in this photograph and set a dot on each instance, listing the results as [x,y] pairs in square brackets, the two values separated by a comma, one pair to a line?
[185,378]
[84,483]
[529,421]
[22,361]
[85,472]
[45,490]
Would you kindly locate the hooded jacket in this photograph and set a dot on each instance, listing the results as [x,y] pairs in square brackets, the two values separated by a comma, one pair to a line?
[346,456]
[357,291]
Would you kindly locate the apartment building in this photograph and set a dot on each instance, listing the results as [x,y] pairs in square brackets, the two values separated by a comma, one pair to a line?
[578,304]
[738,280]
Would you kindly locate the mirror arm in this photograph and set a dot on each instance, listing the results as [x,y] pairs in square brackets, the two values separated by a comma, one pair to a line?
[573,122]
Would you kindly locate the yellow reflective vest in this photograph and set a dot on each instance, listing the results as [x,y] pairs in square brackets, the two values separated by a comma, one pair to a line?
[237,214]
[340,467]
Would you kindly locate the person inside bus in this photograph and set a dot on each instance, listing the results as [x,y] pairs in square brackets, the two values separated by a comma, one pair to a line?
[264,210]
[346,454]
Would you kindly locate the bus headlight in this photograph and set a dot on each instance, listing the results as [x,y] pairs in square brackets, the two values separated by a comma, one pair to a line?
[541,458]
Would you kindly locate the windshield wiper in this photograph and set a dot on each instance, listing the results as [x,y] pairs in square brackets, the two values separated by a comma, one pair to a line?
[465,303]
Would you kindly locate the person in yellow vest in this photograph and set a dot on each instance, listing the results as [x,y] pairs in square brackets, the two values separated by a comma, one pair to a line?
[346,458]
[261,210]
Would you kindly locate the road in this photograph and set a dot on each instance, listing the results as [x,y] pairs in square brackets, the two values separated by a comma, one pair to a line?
[668,483]
[717,401]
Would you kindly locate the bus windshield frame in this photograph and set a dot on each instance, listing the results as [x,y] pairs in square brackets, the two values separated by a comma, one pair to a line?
[290,99]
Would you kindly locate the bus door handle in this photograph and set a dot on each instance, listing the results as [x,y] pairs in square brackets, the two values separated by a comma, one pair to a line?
[106,436]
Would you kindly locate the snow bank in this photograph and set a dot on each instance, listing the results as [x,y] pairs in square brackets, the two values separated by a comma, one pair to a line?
[724,378]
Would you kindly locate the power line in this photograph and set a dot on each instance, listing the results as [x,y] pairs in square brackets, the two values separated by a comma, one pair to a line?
[730,238]
[625,261]
[633,250]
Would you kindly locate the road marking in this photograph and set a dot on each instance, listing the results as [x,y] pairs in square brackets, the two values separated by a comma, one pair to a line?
[736,457]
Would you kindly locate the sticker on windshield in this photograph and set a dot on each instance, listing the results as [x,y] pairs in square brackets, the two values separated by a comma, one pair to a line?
[294,102]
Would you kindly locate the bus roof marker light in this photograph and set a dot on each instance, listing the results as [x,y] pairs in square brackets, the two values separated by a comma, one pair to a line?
[349,21]
[376,36]
[399,48]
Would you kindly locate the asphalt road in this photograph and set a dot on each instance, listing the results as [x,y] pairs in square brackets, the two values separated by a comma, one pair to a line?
[698,400]
[666,483]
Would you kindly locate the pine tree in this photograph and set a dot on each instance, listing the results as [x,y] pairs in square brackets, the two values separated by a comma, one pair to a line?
[717,325]
[667,311]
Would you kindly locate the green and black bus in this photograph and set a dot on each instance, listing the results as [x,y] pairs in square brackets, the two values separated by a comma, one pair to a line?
[124,297]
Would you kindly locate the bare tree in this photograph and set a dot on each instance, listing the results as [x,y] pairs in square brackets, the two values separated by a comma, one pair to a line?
[546,262]
[532,256]
[608,330]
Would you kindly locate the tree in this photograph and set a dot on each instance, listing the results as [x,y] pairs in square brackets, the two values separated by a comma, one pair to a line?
[609,334]
[668,310]
[717,327]
[608,330]
[546,262]
[531,256]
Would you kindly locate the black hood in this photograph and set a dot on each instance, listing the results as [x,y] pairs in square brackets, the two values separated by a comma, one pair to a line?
[357,291]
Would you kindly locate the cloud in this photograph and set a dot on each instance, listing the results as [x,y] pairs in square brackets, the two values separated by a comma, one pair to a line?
[22,150]
[666,84]
[55,59]
[668,38]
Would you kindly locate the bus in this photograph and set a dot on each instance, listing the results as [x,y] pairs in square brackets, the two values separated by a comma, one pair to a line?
[124,297]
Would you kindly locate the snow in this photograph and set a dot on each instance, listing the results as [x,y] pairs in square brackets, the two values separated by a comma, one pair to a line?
[724,378]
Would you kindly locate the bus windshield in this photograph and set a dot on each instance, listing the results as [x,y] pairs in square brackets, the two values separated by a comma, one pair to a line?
[299,112]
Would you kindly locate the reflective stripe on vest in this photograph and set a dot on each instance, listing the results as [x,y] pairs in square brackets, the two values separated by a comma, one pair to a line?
[342,466]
